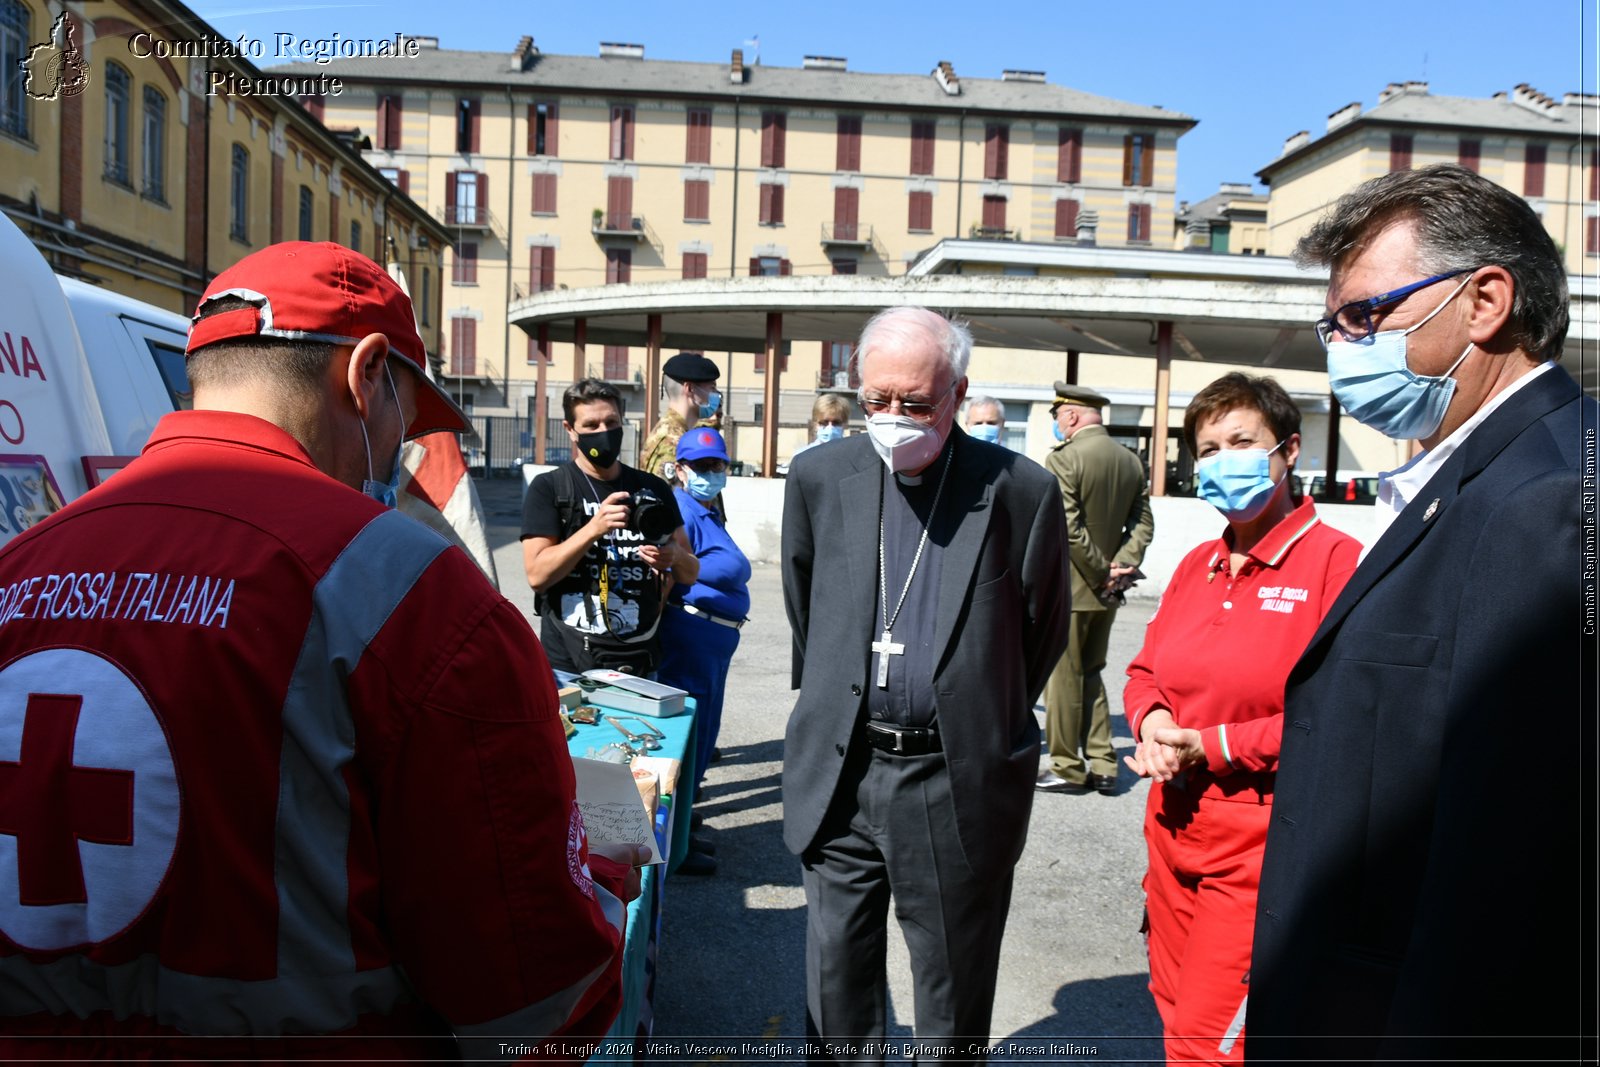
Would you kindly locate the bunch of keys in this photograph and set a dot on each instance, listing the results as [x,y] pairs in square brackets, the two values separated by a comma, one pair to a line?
[648,741]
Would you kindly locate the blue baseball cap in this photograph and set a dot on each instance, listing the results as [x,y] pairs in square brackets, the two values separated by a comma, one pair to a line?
[702,442]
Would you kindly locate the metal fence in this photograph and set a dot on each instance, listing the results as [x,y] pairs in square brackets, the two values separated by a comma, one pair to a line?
[508,444]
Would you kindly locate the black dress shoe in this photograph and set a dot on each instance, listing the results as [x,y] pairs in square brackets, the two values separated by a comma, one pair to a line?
[716,754]
[702,844]
[1104,784]
[698,864]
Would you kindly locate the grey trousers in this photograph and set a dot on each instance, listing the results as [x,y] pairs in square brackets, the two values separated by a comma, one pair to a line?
[891,833]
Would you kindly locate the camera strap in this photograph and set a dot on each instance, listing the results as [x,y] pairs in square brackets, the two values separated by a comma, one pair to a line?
[605,581]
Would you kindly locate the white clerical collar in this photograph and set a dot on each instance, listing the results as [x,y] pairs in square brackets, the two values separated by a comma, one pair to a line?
[1399,487]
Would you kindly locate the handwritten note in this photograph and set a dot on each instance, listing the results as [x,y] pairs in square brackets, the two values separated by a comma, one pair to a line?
[613,814]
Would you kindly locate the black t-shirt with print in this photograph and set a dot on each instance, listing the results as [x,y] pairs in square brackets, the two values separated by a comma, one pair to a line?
[604,613]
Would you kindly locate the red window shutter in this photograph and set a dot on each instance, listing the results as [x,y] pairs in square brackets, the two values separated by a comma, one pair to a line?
[847,156]
[996,149]
[466,339]
[694,264]
[1066,218]
[1471,155]
[697,200]
[764,211]
[544,194]
[466,263]
[1147,172]
[388,122]
[549,272]
[1399,152]
[1138,222]
[621,136]
[1591,243]
[450,196]
[773,125]
[1127,159]
[403,180]
[785,268]
[920,211]
[533,145]
[535,270]
[1144,221]
[552,117]
[846,213]
[475,113]
[482,204]
[1594,174]
[922,140]
[627,134]
[777,204]
[619,203]
[1533,174]
[994,212]
[755,268]
[698,146]
[1069,156]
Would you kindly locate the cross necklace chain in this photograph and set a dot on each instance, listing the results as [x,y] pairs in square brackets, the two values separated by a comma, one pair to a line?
[886,646]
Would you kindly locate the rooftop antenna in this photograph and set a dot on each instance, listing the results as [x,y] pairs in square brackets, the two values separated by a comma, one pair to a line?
[753,43]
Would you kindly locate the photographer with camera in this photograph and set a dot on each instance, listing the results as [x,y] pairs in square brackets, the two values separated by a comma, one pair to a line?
[600,540]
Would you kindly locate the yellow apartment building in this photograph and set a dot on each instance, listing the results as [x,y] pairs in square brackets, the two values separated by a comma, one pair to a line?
[139,152]
[561,171]
[1233,220]
[1532,144]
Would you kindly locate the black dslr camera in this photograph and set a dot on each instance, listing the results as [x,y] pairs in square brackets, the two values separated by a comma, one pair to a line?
[650,518]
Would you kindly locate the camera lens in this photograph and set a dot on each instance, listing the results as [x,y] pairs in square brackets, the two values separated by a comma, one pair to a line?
[649,517]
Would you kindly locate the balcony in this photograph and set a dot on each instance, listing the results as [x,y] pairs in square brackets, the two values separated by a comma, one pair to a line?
[995,233]
[836,381]
[469,217]
[630,227]
[847,234]
[617,374]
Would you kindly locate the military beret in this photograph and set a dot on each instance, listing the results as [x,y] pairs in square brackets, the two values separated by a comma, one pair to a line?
[690,367]
[1077,394]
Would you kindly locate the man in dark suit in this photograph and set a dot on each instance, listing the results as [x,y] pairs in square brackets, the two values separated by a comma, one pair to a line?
[927,585]
[1423,894]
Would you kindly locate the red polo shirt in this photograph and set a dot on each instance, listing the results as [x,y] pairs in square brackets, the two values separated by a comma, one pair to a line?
[1219,647]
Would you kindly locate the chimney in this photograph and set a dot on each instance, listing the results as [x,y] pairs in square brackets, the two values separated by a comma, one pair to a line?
[945,75]
[1294,142]
[1580,100]
[1528,97]
[1088,223]
[822,63]
[1197,235]
[1394,89]
[424,42]
[618,50]
[522,55]
[736,67]
[1238,189]
[1344,115]
[1022,76]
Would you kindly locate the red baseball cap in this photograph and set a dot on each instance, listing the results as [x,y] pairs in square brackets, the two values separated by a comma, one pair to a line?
[321,291]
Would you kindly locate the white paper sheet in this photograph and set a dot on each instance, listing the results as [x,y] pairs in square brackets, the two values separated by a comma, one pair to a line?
[613,813]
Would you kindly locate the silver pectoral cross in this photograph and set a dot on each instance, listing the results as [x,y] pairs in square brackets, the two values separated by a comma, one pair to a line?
[886,648]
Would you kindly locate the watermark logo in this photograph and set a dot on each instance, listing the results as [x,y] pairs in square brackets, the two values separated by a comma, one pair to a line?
[55,68]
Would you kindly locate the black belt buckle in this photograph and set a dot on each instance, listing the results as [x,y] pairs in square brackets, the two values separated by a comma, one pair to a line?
[903,740]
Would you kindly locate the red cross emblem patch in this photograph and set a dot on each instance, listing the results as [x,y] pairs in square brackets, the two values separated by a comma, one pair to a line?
[89,800]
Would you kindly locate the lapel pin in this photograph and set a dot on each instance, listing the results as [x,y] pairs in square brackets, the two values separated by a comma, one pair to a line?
[1433,507]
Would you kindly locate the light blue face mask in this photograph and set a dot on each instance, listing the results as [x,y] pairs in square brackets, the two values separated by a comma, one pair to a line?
[1237,481]
[827,433]
[1055,428]
[705,487]
[712,405]
[985,432]
[385,493]
[1374,383]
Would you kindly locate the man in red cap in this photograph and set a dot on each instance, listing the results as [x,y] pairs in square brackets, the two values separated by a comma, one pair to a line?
[275,761]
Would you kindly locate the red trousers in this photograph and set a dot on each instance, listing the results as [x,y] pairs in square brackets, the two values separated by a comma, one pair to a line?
[1200,906]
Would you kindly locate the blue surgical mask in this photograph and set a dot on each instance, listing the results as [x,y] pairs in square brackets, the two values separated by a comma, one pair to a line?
[385,493]
[712,405]
[829,433]
[985,432]
[705,487]
[1237,481]
[1055,428]
[1374,383]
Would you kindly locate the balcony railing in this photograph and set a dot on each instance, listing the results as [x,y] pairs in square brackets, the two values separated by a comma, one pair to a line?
[834,381]
[995,233]
[632,227]
[623,372]
[469,217]
[854,234]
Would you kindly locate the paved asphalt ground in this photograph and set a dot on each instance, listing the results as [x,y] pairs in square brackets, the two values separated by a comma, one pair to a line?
[732,948]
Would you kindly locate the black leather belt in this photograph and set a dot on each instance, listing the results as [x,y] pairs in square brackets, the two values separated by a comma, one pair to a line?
[903,740]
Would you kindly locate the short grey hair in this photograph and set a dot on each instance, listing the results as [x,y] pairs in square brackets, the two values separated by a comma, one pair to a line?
[976,403]
[1463,221]
[910,324]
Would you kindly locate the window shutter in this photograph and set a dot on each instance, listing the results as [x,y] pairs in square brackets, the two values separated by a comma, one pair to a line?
[535,269]
[1533,174]
[777,203]
[619,203]
[755,268]
[848,154]
[388,121]
[403,180]
[1069,156]
[481,205]
[997,137]
[627,133]
[773,125]
[1594,174]
[475,112]
[450,196]
[994,212]
[920,211]
[1127,159]
[469,346]
[784,268]
[533,137]
[1067,218]
[1144,221]
[846,211]
[698,146]
[922,140]
[1147,172]
[1399,152]
[694,265]
[552,118]
[1471,155]
[765,209]
[1591,244]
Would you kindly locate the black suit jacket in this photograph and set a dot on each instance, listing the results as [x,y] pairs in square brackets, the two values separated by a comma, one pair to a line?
[1428,878]
[1005,604]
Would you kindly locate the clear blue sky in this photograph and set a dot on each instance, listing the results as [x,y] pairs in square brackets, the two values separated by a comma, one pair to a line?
[1251,72]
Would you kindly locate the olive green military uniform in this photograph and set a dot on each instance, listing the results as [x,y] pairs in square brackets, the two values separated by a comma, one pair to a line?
[661,447]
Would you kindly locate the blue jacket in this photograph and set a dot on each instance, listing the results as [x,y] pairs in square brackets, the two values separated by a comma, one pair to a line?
[724,585]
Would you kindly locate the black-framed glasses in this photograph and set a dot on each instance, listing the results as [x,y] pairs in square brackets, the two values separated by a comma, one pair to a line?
[921,410]
[1353,322]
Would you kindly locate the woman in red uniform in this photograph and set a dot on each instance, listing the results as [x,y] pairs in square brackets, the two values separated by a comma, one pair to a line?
[1205,700]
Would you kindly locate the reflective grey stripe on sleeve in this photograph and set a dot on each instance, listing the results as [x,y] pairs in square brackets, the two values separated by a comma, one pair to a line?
[349,606]
[1234,1028]
[196,1004]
